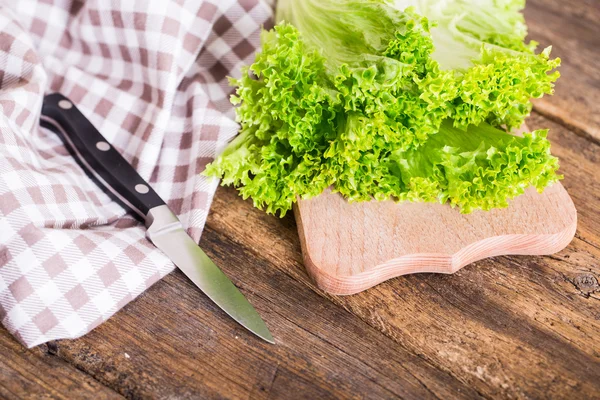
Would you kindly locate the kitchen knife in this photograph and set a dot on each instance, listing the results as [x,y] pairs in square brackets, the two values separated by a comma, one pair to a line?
[119,179]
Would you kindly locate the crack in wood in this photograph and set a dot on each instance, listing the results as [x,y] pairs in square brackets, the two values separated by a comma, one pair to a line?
[272,381]
[570,126]
[594,245]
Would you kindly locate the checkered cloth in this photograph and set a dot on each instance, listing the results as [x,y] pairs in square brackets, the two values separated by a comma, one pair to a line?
[151,75]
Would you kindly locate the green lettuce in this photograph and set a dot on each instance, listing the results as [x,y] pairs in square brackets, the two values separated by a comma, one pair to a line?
[411,100]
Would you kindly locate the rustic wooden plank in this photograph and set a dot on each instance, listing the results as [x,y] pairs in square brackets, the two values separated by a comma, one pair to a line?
[27,374]
[572,28]
[510,327]
[173,342]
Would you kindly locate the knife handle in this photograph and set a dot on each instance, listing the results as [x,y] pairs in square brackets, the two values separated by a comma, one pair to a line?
[102,162]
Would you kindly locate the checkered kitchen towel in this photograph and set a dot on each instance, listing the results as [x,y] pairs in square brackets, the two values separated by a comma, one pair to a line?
[151,75]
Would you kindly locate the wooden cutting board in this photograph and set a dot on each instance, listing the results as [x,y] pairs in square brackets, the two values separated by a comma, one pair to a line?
[348,247]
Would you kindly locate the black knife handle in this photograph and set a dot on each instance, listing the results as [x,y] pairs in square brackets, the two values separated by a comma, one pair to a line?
[98,158]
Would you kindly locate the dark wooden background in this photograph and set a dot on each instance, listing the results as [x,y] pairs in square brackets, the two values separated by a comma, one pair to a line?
[508,327]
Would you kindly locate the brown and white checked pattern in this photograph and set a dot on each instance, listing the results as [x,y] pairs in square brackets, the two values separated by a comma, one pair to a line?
[151,75]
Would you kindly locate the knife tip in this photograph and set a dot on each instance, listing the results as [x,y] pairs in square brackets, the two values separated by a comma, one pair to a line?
[266,336]
[270,341]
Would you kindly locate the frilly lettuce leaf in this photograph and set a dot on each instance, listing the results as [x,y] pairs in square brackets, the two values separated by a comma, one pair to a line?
[408,101]
[496,71]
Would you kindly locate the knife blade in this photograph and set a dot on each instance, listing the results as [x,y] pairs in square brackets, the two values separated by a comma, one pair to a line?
[112,173]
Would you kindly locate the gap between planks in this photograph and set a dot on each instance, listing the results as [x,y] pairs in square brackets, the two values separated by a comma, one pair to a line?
[571,125]
[52,349]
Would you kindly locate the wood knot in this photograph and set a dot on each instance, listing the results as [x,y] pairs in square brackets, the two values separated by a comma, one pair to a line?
[52,348]
[586,284]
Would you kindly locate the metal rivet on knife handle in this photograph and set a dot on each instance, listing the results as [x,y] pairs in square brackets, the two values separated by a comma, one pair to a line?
[103,146]
[65,104]
[142,189]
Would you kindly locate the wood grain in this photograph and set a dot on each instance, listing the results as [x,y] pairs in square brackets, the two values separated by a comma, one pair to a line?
[172,342]
[39,374]
[349,248]
[573,31]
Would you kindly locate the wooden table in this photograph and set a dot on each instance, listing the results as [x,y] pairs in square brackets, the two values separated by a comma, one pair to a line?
[509,327]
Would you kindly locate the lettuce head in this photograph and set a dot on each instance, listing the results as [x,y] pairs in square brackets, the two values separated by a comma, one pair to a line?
[408,99]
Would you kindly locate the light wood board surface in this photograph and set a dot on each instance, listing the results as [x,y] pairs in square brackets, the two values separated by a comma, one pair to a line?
[350,247]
